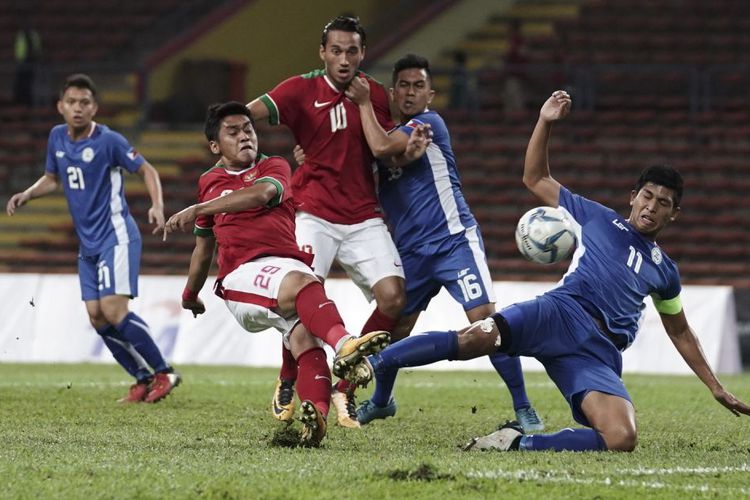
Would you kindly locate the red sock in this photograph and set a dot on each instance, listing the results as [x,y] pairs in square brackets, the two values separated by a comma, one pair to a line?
[379,321]
[345,386]
[319,314]
[314,380]
[288,364]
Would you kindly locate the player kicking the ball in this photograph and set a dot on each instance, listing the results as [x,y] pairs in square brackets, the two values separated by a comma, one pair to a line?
[579,329]
[245,207]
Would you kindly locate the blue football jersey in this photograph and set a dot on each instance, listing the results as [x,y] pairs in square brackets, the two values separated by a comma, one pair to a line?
[614,267]
[423,201]
[90,171]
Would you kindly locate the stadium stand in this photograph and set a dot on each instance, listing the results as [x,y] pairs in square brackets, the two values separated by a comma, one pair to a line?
[653,81]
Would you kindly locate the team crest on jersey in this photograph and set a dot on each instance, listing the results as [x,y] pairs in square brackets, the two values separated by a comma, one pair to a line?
[656,255]
[87,155]
[60,154]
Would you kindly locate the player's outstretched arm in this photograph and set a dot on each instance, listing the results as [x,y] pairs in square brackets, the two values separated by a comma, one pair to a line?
[684,339]
[150,177]
[43,186]
[254,196]
[536,174]
[200,263]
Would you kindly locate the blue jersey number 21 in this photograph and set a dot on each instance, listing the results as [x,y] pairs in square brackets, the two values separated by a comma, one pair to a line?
[75,178]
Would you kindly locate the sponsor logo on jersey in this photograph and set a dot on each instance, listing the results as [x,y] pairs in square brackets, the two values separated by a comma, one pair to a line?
[619,225]
[60,154]
[249,177]
[87,155]
[321,104]
[656,255]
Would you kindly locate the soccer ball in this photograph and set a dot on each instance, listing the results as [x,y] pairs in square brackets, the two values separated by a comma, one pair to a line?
[545,235]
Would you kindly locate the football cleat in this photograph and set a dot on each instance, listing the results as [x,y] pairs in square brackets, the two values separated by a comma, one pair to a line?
[162,385]
[361,374]
[282,404]
[529,419]
[500,440]
[136,393]
[353,351]
[369,411]
[313,425]
[346,408]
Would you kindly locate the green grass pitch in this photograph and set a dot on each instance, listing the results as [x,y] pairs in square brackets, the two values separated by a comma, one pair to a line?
[62,435]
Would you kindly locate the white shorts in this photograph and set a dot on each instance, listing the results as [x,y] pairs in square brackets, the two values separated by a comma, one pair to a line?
[251,294]
[365,250]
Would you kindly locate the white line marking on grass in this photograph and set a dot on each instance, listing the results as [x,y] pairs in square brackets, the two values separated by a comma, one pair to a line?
[685,470]
[565,477]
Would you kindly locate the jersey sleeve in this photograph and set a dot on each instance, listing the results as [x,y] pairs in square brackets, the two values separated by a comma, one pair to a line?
[204,224]
[408,127]
[278,173]
[667,300]
[124,154]
[50,165]
[580,208]
[381,105]
[281,101]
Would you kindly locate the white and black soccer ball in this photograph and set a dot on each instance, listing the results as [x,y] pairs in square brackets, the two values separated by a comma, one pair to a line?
[545,235]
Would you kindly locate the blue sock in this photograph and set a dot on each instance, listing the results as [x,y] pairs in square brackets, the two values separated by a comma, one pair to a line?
[509,368]
[135,331]
[416,350]
[384,382]
[124,353]
[566,439]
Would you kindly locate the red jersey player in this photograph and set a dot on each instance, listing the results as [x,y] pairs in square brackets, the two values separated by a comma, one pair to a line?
[338,216]
[245,207]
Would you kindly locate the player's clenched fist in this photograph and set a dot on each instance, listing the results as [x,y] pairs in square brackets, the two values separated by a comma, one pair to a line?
[556,107]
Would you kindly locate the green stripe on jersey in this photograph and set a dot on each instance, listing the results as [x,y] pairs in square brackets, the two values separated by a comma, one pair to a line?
[276,200]
[203,232]
[314,73]
[669,306]
[273,111]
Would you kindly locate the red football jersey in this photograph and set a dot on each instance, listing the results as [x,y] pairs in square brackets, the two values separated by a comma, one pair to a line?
[336,181]
[259,232]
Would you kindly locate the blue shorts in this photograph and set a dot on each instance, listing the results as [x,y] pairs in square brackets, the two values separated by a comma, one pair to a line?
[457,263]
[578,357]
[112,272]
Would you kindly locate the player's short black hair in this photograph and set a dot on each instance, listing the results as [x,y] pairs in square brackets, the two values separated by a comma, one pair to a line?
[662,175]
[79,81]
[344,23]
[219,111]
[411,61]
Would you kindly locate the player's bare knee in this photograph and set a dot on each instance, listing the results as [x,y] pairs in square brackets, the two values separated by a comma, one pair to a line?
[295,281]
[98,321]
[390,297]
[476,341]
[620,438]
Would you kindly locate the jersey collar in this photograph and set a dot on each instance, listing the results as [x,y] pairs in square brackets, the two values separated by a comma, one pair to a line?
[260,158]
